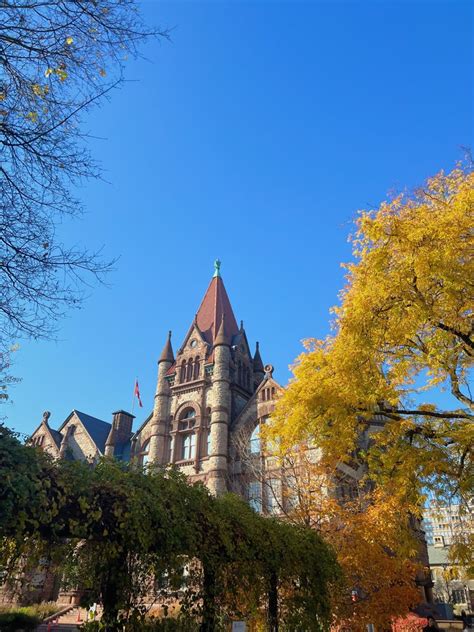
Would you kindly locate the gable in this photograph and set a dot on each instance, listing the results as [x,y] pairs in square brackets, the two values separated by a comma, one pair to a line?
[261,404]
[47,439]
[97,429]
[85,435]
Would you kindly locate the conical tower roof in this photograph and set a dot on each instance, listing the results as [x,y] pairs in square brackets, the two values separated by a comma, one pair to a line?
[257,361]
[167,353]
[215,309]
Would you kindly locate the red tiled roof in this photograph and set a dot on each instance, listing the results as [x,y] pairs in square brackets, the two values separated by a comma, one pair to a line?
[215,306]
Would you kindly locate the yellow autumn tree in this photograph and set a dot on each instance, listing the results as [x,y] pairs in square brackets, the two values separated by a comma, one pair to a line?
[377,544]
[403,332]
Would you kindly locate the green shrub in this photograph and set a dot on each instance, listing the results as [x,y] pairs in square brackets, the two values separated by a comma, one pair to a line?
[18,622]
[41,610]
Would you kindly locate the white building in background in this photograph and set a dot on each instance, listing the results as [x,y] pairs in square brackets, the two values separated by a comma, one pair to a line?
[443,524]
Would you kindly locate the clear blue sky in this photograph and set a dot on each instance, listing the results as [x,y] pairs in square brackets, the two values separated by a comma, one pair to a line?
[254,136]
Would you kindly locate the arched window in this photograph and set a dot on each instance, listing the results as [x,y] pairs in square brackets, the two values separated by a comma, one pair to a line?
[197,367]
[255,440]
[189,371]
[187,436]
[145,453]
[188,413]
[182,376]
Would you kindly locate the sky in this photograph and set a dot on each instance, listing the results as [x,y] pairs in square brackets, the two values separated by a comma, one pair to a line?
[254,135]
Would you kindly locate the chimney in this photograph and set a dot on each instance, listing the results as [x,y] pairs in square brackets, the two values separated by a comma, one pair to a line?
[120,432]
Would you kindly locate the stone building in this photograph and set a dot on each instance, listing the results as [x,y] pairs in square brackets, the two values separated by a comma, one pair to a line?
[212,390]
[211,398]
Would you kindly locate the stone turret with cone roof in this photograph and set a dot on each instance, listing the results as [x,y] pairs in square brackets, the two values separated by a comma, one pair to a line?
[158,438]
[220,412]
[201,392]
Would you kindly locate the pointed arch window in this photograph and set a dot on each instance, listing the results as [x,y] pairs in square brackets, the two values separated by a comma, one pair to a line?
[182,377]
[187,435]
[197,367]
[189,370]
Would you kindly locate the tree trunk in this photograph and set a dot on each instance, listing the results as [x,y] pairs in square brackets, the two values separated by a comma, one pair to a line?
[273,603]
[209,609]
[110,597]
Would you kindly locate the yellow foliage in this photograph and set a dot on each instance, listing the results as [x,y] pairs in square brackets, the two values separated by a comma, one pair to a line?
[59,72]
[404,326]
[372,532]
[40,91]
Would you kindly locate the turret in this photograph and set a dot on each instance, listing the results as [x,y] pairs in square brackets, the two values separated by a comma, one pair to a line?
[220,413]
[158,438]
[258,370]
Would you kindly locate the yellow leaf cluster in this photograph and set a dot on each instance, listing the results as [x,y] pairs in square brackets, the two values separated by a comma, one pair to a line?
[60,72]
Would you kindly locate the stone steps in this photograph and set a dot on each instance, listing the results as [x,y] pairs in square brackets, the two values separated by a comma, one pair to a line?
[67,622]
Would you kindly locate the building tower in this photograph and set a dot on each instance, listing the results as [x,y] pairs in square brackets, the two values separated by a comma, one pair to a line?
[159,425]
[200,392]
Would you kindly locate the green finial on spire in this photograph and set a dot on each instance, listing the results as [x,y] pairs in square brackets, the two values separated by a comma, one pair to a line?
[217,268]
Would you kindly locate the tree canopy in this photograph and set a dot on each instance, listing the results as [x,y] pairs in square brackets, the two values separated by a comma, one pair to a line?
[127,535]
[403,334]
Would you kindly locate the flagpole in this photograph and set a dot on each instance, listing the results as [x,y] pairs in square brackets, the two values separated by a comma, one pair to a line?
[133,396]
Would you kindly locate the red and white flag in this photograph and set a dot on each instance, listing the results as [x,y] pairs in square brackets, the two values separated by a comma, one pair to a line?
[137,394]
